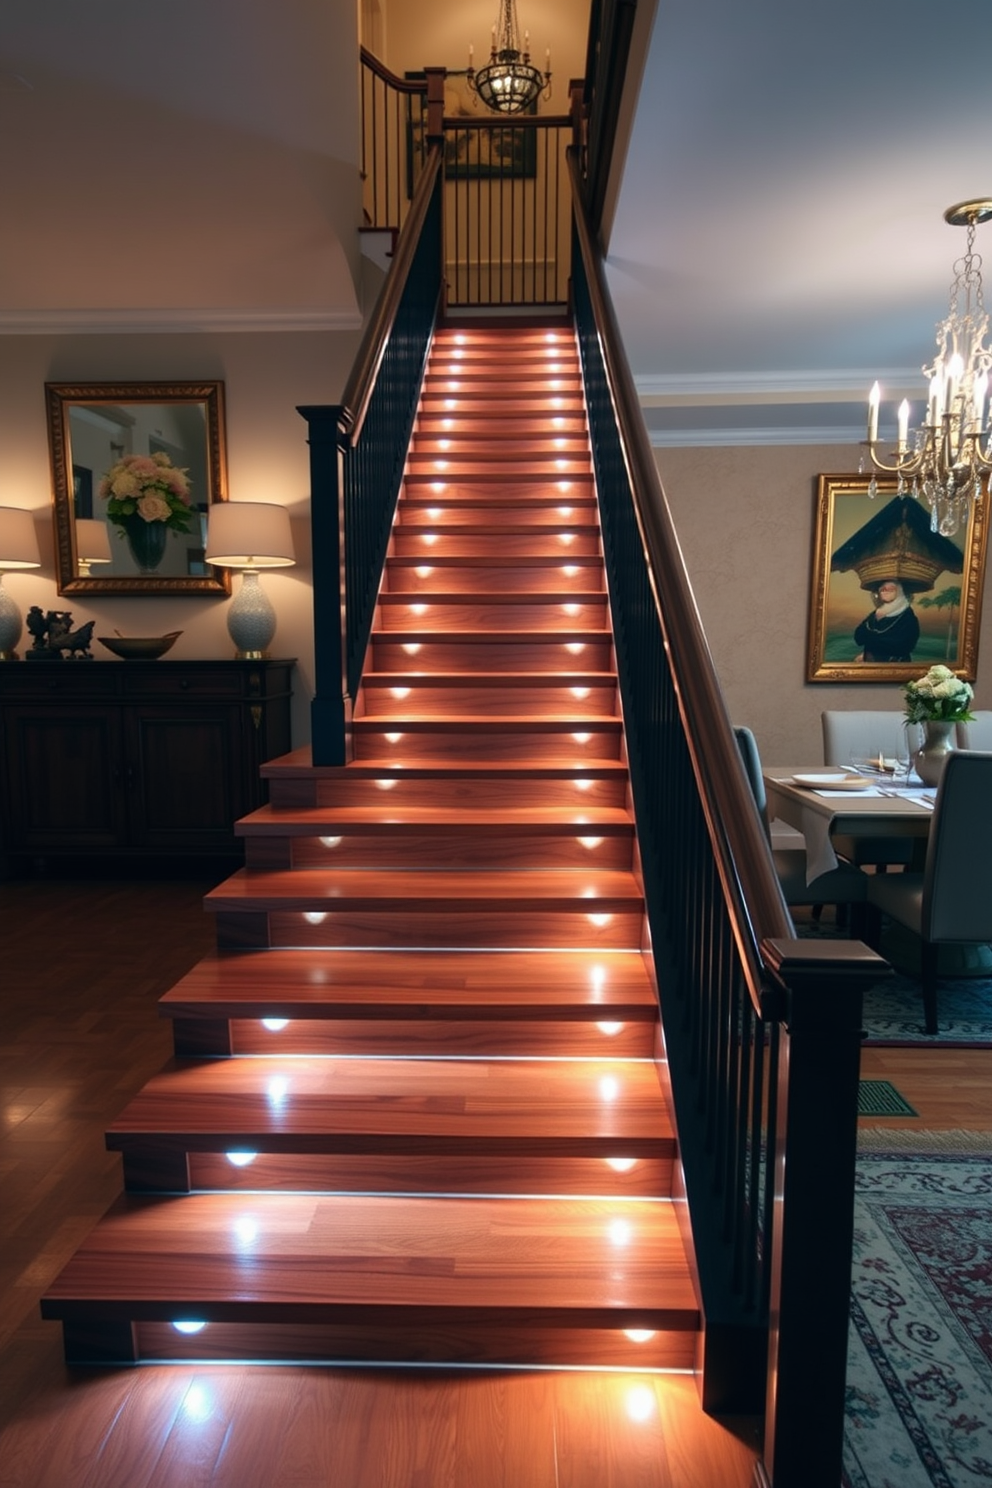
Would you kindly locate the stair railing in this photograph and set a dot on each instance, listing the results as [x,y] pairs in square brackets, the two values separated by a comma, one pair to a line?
[358,449]
[394,142]
[761,1030]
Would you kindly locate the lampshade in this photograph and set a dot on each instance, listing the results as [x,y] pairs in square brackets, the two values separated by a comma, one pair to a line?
[92,543]
[249,534]
[18,549]
[18,539]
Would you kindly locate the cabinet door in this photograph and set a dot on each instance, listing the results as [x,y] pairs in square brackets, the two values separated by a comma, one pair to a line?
[183,776]
[64,778]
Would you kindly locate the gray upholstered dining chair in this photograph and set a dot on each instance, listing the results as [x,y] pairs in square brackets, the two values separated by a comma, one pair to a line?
[951,900]
[869,733]
[844,884]
[978,733]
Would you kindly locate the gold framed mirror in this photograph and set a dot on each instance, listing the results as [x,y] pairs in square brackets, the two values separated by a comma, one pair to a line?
[136,467]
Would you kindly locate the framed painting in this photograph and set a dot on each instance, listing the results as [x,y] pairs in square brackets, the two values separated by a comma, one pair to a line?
[889,597]
[478,144]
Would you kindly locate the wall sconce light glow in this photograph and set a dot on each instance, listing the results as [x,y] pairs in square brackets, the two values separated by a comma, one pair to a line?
[622,1164]
[610,1029]
[241,1159]
[314,916]
[640,1403]
[331,841]
[609,1088]
[620,1232]
[189,1325]
[276,1025]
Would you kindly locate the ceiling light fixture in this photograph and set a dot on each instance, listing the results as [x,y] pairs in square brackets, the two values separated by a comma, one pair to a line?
[951,451]
[509,83]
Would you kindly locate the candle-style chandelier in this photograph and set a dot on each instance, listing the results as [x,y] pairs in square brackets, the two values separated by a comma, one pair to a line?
[951,452]
[509,83]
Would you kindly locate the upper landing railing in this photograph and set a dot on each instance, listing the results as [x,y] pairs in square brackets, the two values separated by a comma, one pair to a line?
[507,230]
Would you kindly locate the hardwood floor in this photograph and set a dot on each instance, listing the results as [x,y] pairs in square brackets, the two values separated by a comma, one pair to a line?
[84,965]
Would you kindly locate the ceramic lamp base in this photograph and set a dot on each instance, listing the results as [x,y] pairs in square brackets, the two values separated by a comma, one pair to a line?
[10,625]
[251,620]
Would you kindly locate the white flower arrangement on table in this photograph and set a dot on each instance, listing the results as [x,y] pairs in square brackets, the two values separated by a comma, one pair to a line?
[941,695]
[148,486]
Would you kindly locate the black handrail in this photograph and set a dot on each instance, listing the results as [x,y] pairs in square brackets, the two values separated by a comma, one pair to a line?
[762,1032]
[393,141]
[357,453]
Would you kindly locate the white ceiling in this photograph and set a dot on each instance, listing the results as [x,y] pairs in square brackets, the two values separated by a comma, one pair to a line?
[779,237]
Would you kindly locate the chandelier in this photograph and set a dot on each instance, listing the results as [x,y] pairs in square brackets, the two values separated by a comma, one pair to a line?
[951,452]
[509,83]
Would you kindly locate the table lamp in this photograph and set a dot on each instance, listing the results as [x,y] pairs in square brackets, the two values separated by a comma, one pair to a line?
[250,535]
[18,549]
[92,545]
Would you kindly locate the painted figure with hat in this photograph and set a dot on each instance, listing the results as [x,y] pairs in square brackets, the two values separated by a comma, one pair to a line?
[895,555]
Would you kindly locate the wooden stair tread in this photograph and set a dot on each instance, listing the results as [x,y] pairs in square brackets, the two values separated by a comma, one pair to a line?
[468,1106]
[298,764]
[534,889]
[556,638]
[591,1261]
[320,820]
[503,722]
[471,984]
[519,680]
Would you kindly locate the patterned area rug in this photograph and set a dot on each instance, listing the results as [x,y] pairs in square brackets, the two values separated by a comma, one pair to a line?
[893,1012]
[919,1374]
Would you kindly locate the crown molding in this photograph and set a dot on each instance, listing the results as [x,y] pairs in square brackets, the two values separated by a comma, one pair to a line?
[848,434]
[172,322]
[723,389]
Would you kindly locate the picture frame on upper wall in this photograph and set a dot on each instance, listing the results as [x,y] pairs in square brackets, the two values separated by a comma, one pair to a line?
[479,145]
[889,597]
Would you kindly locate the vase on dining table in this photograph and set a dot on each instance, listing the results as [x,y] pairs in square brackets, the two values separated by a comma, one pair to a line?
[938,743]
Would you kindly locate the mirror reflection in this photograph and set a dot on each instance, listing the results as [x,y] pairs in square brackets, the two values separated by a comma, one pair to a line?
[136,468]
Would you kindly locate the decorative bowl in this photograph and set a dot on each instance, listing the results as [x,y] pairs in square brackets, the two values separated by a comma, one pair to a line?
[139,648]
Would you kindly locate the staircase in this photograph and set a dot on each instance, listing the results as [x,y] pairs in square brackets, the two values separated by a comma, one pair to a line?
[414,1113]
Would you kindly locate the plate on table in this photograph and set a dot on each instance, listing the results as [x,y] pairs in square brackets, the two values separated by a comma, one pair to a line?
[834,782]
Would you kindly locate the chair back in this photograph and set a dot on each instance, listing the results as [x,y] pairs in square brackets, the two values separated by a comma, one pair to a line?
[849,735]
[957,882]
[978,733]
[747,744]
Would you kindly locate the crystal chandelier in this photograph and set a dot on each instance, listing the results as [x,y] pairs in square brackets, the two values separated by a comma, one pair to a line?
[509,83]
[951,452]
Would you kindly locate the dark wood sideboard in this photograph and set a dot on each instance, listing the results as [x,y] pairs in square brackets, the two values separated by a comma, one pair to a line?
[135,759]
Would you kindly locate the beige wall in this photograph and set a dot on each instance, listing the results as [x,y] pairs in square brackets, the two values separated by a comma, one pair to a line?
[745,519]
[266,376]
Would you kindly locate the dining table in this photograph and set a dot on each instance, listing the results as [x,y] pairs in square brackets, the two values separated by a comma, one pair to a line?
[822,802]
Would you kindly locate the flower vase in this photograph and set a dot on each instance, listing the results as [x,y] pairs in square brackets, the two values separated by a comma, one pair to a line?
[938,742]
[146,541]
